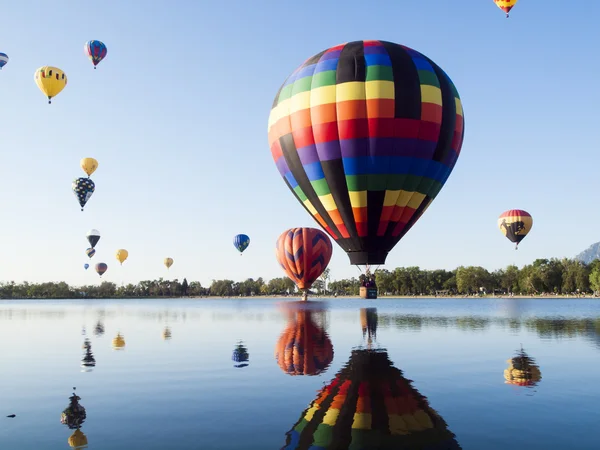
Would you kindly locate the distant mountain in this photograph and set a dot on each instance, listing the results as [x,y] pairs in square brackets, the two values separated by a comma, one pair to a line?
[589,254]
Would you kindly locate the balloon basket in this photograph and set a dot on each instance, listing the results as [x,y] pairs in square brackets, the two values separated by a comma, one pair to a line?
[369,293]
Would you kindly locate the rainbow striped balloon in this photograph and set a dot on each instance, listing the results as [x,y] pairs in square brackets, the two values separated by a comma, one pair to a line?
[515,224]
[303,253]
[365,134]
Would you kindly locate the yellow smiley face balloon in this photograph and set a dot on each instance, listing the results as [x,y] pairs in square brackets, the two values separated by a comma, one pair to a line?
[50,80]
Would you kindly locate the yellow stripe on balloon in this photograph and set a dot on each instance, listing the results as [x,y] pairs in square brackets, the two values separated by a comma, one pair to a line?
[362,421]
[328,202]
[358,199]
[352,90]
[310,207]
[331,416]
[322,95]
[397,425]
[459,109]
[379,90]
[431,94]
[299,102]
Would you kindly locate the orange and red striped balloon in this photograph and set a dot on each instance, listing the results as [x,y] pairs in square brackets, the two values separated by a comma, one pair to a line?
[303,254]
[515,224]
[505,5]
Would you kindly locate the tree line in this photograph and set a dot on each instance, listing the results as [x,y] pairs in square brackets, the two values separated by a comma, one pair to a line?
[542,277]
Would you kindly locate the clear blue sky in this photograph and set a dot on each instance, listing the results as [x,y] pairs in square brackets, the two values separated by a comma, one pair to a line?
[177,117]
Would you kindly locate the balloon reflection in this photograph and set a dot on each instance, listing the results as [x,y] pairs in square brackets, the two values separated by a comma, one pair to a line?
[166,334]
[304,347]
[118,342]
[522,370]
[99,329]
[88,361]
[370,405]
[240,356]
[73,417]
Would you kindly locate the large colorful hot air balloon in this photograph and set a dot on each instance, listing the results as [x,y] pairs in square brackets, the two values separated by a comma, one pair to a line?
[303,253]
[505,5]
[515,224]
[303,348]
[50,80]
[90,252]
[241,242]
[89,165]
[93,236]
[96,51]
[83,188]
[101,268]
[365,134]
[3,60]
[168,262]
[121,255]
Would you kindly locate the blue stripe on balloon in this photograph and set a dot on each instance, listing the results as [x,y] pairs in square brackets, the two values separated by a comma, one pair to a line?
[399,165]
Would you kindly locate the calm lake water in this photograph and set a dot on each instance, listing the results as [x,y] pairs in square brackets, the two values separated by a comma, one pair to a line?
[270,374]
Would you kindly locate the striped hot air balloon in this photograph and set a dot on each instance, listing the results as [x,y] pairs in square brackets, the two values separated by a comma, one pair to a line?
[303,254]
[505,5]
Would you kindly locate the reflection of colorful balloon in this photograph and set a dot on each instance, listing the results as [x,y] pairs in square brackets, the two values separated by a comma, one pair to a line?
[505,5]
[240,355]
[166,334]
[168,262]
[86,266]
[515,224]
[365,134]
[83,188]
[3,60]
[50,80]
[121,255]
[78,440]
[93,236]
[303,348]
[101,268]
[303,253]
[89,165]
[73,415]
[96,51]
[369,404]
[118,342]
[522,370]
[90,251]
[241,242]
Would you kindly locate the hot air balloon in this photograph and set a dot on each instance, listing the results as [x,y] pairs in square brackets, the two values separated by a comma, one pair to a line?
[121,255]
[90,252]
[303,253]
[83,188]
[93,236]
[240,355]
[50,80]
[78,440]
[86,266]
[515,224]
[101,268]
[303,348]
[168,262]
[3,60]
[118,342]
[522,370]
[73,415]
[96,51]
[89,165]
[365,134]
[241,242]
[505,5]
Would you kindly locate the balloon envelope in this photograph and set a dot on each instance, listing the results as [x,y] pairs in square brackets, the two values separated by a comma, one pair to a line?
[241,242]
[303,254]
[96,51]
[515,224]
[121,255]
[50,80]
[93,236]
[90,252]
[89,165]
[86,266]
[505,5]
[83,188]
[101,268]
[3,60]
[168,262]
[365,134]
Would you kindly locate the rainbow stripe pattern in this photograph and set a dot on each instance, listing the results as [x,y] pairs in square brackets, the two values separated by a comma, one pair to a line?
[365,134]
[303,254]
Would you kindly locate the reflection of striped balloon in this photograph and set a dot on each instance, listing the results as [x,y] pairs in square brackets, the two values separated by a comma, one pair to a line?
[303,348]
[303,253]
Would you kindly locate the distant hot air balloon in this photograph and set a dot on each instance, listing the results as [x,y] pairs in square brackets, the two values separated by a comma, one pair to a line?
[515,224]
[3,60]
[505,5]
[89,165]
[86,266]
[101,268]
[303,253]
[90,252]
[83,188]
[96,51]
[93,236]
[50,80]
[241,242]
[365,134]
[121,255]
[168,262]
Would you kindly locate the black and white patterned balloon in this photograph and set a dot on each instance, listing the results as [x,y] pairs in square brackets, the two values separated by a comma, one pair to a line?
[83,189]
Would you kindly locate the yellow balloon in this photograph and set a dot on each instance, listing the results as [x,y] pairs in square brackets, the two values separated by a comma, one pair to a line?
[168,262]
[50,80]
[122,255]
[78,440]
[118,342]
[89,165]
